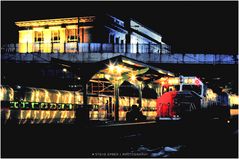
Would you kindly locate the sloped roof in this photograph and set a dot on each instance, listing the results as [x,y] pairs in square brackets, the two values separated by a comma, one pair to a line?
[152,73]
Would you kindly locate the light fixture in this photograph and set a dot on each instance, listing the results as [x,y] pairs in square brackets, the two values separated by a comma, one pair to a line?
[18,87]
[64,70]
[111,67]
[119,69]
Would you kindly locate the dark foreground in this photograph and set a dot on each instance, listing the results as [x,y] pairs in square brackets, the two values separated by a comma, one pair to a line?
[178,139]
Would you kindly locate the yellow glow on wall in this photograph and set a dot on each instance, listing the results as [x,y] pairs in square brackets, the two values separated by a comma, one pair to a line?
[58,21]
[45,116]
[54,96]
[28,43]
[133,77]
[45,22]
[62,39]
[58,96]
[6,94]
[54,27]
[87,37]
[38,29]
[71,26]
[37,96]
[2,92]
[25,41]
[47,98]
[169,81]
[47,41]
[233,99]
[210,95]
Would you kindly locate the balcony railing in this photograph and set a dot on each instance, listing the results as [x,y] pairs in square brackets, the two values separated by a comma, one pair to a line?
[74,47]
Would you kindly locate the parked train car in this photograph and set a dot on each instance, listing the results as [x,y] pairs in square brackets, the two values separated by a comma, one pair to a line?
[39,105]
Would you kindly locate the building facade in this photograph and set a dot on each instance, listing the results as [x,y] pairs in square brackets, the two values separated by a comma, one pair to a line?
[103,33]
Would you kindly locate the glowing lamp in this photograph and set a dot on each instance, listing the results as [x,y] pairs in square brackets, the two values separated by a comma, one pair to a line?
[111,68]
[119,69]
[64,70]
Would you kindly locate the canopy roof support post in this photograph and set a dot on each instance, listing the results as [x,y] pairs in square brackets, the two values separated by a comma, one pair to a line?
[85,89]
[82,112]
[116,106]
[140,95]
[158,89]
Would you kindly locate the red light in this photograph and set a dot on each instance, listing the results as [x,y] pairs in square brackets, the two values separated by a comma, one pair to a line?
[197,83]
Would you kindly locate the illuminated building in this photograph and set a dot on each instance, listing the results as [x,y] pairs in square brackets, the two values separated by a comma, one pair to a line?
[85,83]
[75,34]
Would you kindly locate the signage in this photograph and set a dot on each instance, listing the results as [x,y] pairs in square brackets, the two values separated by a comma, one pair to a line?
[36,105]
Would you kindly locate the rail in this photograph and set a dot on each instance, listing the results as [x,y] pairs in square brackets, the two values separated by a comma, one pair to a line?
[74,47]
[173,58]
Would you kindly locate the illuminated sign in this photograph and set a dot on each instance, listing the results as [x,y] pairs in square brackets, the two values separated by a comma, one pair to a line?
[169,81]
[37,105]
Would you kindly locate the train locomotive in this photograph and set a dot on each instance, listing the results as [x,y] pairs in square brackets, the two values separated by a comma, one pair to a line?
[187,97]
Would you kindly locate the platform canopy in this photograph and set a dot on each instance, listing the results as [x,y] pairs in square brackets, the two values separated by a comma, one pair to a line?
[114,69]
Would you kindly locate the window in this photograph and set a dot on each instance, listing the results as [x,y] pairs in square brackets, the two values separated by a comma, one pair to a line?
[72,35]
[194,88]
[111,39]
[55,36]
[117,40]
[39,37]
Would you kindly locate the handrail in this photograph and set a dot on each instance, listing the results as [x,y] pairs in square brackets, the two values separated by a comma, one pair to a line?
[71,47]
[175,58]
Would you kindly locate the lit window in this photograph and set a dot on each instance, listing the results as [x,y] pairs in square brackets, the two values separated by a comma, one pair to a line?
[55,36]
[72,35]
[39,36]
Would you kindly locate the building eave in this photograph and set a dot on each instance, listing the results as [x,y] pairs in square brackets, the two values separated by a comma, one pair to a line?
[58,21]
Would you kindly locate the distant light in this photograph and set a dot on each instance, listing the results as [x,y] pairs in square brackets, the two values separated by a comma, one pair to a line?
[19,87]
[78,78]
[228,121]
[64,70]
[150,86]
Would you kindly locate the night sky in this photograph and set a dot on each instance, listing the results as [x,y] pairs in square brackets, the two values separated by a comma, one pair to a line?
[198,27]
